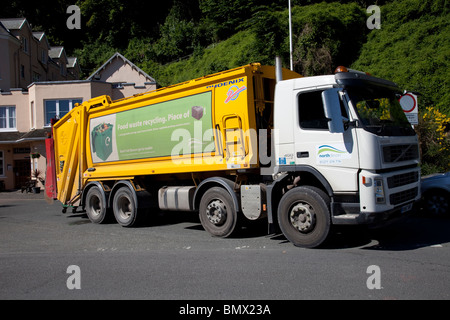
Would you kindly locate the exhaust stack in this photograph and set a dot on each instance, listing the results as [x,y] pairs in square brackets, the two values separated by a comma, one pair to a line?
[278,71]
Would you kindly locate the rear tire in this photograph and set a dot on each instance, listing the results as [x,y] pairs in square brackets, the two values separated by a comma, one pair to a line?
[125,207]
[96,206]
[304,216]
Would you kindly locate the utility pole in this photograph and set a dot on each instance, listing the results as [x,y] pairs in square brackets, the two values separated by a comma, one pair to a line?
[290,36]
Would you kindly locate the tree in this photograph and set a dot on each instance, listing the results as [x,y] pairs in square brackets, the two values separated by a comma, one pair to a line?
[326,36]
[117,21]
[176,37]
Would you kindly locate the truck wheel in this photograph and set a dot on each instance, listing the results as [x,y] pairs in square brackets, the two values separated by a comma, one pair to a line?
[96,205]
[124,207]
[217,213]
[436,203]
[304,216]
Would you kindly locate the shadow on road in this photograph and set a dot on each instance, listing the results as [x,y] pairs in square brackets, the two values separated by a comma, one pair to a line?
[409,233]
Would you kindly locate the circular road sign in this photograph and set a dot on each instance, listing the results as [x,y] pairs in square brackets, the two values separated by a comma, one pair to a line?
[408,102]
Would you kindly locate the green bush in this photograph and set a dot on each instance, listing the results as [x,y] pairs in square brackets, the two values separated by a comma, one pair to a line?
[327,35]
[434,140]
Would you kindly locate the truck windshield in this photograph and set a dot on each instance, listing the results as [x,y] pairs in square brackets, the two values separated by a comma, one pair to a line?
[379,111]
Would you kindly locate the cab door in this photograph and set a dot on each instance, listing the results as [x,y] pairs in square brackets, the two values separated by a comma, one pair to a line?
[333,155]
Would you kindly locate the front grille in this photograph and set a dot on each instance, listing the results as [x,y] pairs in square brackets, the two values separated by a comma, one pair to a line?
[402,179]
[401,152]
[403,196]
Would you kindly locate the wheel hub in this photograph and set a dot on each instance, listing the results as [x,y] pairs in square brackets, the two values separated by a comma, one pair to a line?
[95,206]
[216,212]
[124,206]
[302,217]
[437,205]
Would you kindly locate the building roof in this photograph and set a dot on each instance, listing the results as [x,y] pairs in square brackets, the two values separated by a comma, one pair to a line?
[10,137]
[40,36]
[37,134]
[3,29]
[118,55]
[58,53]
[14,23]
[16,137]
[55,52]
[72,62]
[4,32]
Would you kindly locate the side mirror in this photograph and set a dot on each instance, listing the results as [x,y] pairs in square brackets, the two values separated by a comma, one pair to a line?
[332,106]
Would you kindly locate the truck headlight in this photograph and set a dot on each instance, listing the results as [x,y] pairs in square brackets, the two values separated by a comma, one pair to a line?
[379,191]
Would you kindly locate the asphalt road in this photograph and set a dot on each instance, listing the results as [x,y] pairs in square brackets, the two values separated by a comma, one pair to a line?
[171,257]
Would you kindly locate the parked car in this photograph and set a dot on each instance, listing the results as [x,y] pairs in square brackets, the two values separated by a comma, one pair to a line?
[436,194]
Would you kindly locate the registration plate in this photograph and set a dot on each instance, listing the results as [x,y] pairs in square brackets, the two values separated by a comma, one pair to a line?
[406,208]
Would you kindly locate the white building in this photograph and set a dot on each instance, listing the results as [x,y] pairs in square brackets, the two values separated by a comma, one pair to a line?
[39,82]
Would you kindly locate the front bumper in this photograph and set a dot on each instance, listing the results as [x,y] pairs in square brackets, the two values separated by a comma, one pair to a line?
[374,218]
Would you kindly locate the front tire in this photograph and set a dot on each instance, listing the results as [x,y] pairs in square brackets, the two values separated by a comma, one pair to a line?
[217,213]
[436,203]
[304,216]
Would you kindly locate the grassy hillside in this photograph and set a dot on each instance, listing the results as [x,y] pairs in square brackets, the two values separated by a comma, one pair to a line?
[233,52]
[412,48]
[321,41]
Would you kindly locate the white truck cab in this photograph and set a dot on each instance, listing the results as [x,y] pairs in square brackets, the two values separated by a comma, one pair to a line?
[346,138]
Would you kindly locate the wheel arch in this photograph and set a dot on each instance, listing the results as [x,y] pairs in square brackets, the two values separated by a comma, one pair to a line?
[140,196]
[308,177]
[435,190]
[119,184]
[206,184]
[105,192]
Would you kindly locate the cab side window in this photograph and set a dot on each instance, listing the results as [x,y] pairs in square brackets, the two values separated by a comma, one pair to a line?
[311,111]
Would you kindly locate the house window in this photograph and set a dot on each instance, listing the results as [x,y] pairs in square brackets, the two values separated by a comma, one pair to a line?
[25,44]
[43,57]
[58,108]
[36,77]
[2,166]
[7,118]
[32,115]
[62,69]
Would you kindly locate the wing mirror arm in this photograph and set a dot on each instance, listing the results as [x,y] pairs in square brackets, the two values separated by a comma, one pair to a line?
[350,124]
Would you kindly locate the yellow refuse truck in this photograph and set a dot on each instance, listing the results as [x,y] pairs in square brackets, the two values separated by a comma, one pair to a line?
[228,145]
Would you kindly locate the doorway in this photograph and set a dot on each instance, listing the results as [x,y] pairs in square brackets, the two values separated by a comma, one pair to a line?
[22,171]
